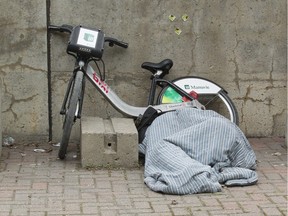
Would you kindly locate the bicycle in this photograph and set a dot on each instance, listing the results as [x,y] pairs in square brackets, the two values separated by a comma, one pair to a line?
[86,45]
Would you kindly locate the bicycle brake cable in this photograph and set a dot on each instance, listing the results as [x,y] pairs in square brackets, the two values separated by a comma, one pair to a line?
[102,76]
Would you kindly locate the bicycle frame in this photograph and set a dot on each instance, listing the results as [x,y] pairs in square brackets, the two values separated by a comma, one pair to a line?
[133,111]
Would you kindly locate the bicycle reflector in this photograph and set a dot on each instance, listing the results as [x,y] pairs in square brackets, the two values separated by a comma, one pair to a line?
[193,94]
[86,42]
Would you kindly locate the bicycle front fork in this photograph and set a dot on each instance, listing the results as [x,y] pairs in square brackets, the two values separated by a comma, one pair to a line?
[67,97]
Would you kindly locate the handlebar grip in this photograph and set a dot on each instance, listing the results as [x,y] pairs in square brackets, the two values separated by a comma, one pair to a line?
[122,44]
[62,28]
[114,41]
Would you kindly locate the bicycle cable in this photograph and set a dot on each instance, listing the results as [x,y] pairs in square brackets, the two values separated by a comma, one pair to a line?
[102,76]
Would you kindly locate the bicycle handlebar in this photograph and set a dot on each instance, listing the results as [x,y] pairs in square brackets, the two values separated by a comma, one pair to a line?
[69,29]
[62,28]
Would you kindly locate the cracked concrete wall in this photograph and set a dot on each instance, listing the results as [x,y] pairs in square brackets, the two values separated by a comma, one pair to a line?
[0,117]
[241,45]
[23,69]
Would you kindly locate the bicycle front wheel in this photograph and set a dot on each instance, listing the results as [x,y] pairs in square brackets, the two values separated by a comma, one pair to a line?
[71,113]
[211,95]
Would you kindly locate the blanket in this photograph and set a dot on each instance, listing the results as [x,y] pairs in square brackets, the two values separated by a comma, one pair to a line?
[191,151]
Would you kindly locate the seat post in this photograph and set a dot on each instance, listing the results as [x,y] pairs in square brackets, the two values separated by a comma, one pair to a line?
[152,90]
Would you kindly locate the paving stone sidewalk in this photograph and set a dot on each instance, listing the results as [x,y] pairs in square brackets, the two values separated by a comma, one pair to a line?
[36,183]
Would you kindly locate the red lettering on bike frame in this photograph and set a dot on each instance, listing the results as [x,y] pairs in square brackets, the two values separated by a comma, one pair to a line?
[100,83]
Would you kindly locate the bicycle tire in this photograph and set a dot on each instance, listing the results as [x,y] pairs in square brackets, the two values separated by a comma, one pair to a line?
[70,115]
[210,94]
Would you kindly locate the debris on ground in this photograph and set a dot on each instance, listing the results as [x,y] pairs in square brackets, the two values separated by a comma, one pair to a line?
[276,154]
[8,141]
[38,150]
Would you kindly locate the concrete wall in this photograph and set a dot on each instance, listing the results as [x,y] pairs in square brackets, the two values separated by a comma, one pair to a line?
[240,45]
[0,117]
[23,68]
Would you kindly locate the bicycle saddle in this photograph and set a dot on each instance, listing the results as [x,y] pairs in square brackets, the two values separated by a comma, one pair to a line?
[164,66]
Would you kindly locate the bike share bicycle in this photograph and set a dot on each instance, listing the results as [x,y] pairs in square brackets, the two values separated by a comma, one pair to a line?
[87,45]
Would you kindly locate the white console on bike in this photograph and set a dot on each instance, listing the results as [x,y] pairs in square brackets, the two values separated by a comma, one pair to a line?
[86,42]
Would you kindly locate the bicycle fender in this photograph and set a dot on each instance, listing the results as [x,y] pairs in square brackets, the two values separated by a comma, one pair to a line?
[199,85]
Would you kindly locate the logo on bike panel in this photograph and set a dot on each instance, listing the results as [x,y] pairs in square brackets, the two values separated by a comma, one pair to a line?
[100,83]
[88,37]
[196,87]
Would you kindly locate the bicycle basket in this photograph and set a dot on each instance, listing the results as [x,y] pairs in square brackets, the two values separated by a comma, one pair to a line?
[86,42]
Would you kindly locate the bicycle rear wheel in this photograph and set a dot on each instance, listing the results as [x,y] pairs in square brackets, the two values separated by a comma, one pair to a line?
[71,113]
[211,95]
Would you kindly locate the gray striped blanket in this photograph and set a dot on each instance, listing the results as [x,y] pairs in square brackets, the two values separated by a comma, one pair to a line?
[193,151]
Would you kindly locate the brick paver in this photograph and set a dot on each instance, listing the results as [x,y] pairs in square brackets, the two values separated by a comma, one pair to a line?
[33,183]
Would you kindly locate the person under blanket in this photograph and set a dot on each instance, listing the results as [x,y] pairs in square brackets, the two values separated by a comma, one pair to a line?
[191,151]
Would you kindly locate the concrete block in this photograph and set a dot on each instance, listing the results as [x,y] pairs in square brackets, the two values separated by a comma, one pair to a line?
[109,143]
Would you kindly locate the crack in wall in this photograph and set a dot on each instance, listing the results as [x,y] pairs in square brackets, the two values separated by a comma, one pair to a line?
[234,60]
[275,122]
[272,69]
[193,64]
[236,71]
[266,102]
[15,101]
[14,65]
[246,98]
